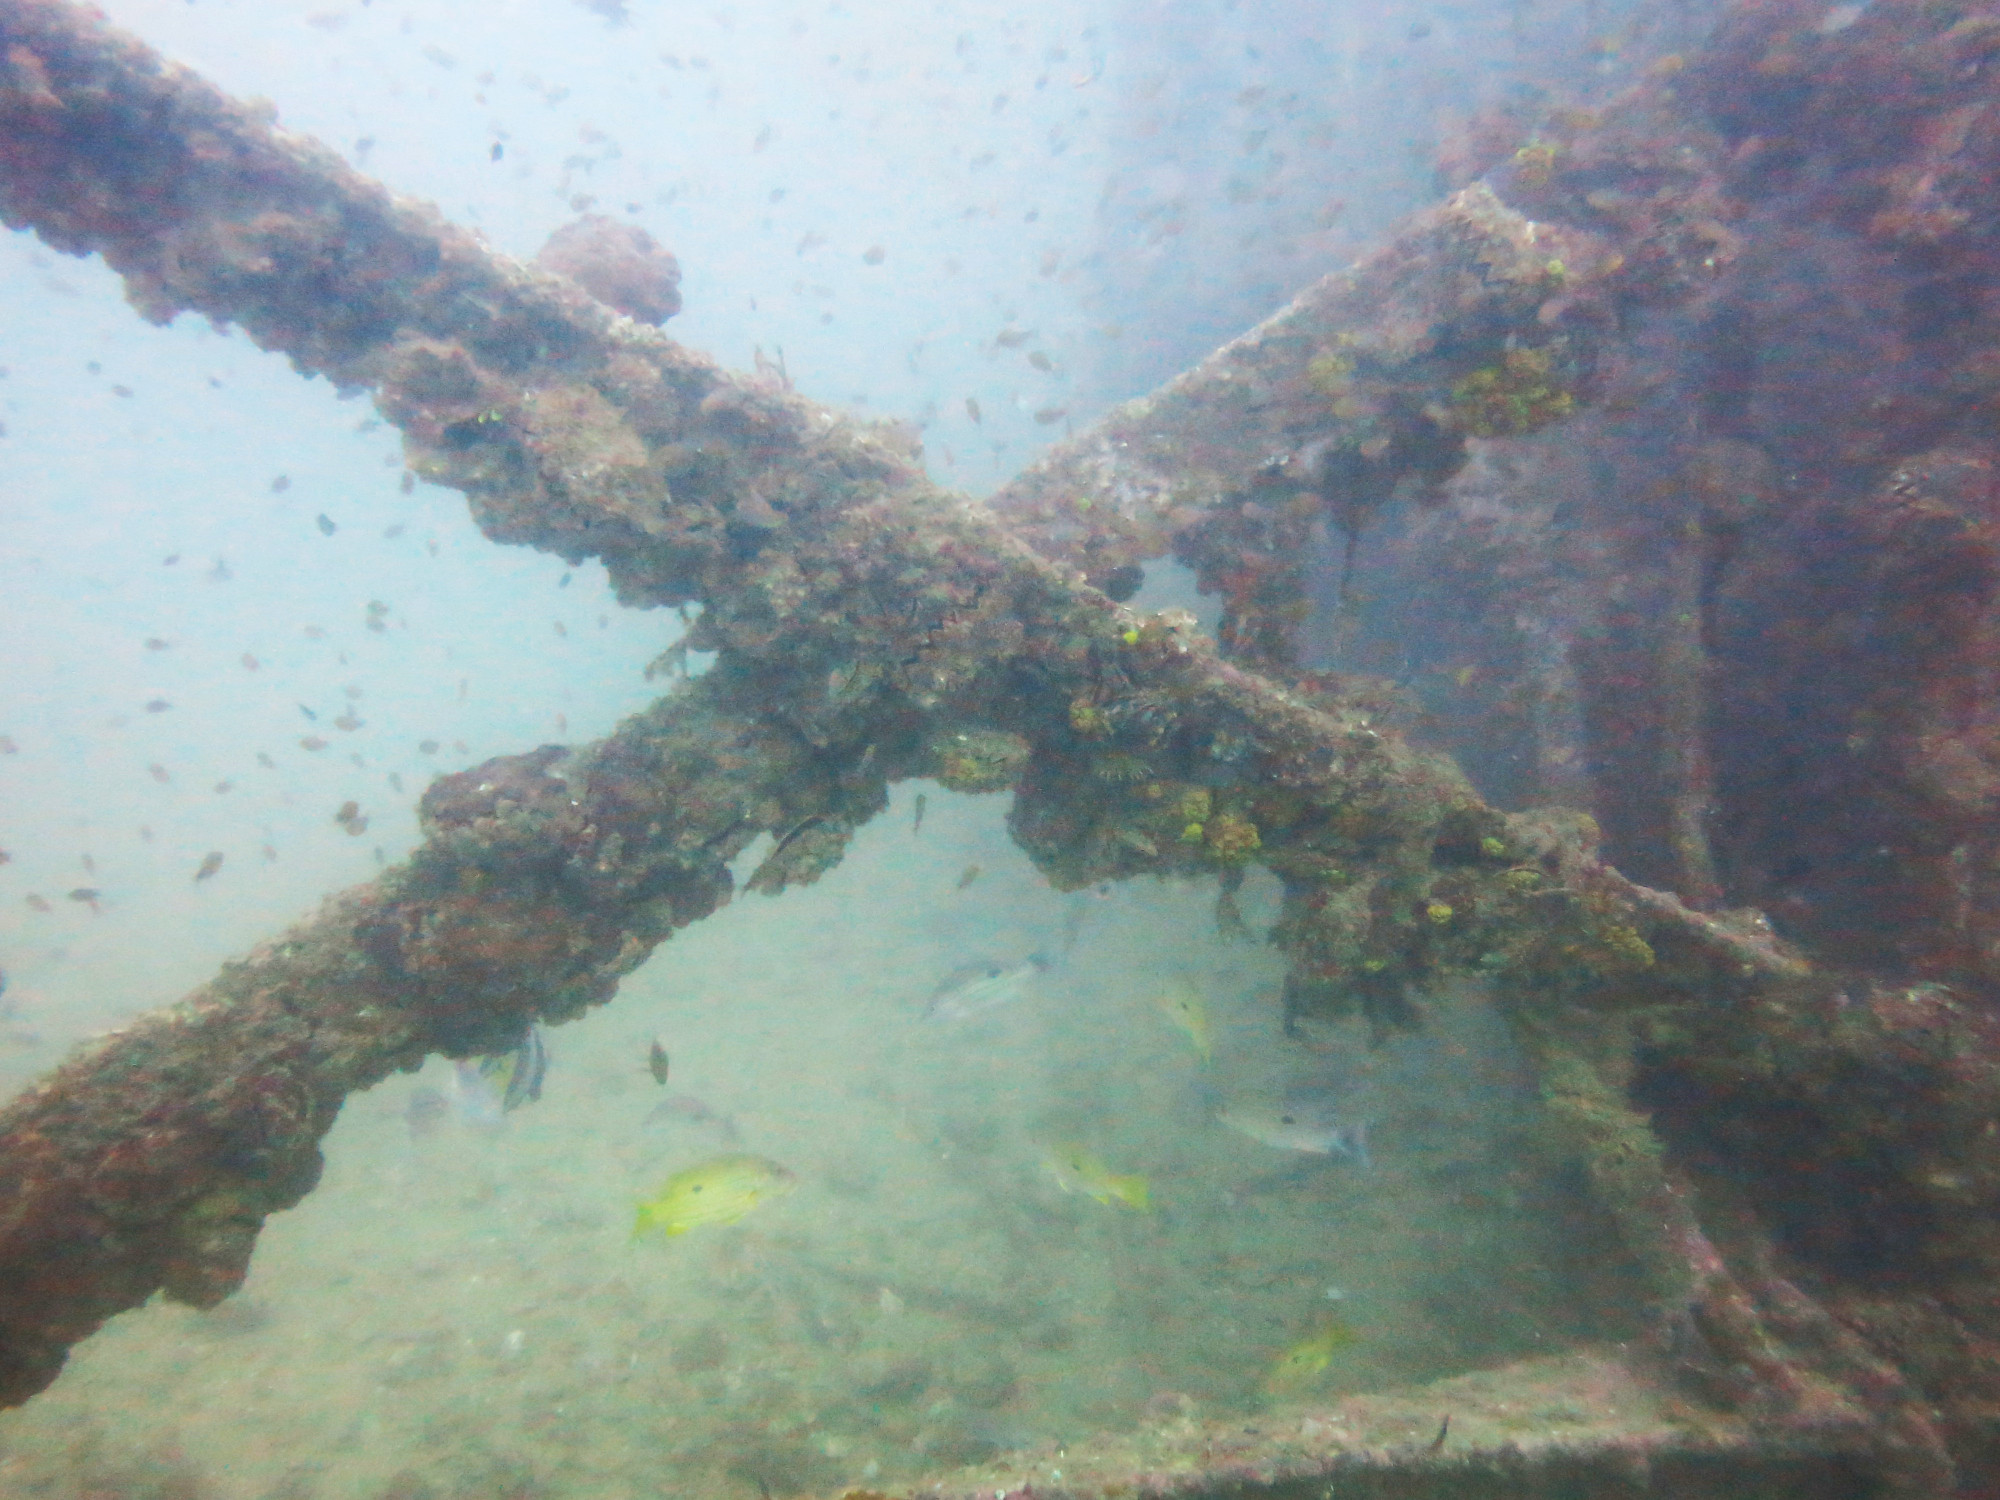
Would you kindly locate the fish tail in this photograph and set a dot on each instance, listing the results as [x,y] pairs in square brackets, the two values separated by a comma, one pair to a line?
[1354,1141]
[1130,1191]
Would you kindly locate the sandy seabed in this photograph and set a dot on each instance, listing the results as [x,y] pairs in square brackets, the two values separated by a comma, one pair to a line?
[464,1314]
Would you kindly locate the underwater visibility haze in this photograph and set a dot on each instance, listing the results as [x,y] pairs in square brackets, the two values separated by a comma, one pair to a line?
[1163,747]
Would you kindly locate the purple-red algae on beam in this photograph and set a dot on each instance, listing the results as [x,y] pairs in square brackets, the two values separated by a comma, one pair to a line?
[621,265]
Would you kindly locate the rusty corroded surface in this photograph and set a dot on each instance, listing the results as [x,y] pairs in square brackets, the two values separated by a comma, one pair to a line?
[869,626]
[149,1160]
[1476,320]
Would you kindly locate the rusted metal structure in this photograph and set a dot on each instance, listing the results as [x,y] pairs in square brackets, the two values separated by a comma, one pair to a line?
[1795,1142]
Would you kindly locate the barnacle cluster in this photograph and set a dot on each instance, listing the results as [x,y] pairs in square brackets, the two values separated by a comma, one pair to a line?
[1121,769]
[981,760]
[1329,373]
[1088,719]
[1521,393]
[1232,839]
[1534,163]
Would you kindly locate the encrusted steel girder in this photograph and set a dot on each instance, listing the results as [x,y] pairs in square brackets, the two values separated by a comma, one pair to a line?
[869,627]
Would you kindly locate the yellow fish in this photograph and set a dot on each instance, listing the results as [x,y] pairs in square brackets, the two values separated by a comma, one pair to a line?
[1298,1367]
[1181,1004]
[1079,1171]
[715,1192]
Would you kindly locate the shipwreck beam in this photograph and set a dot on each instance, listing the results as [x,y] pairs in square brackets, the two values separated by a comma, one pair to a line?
[868,626]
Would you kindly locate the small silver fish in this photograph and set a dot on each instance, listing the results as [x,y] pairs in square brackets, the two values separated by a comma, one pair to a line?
[695,1112]
[974,989]
[474,1099]
[1308,1124]
[426,1113]
[518,1075]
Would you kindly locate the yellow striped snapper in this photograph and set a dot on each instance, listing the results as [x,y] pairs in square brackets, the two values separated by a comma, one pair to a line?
[1181,1003]
[1299,1367]
[719,1191]
[1077,1170]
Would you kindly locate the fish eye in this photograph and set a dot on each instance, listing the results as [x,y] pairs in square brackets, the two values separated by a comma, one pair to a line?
[1288,1119]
